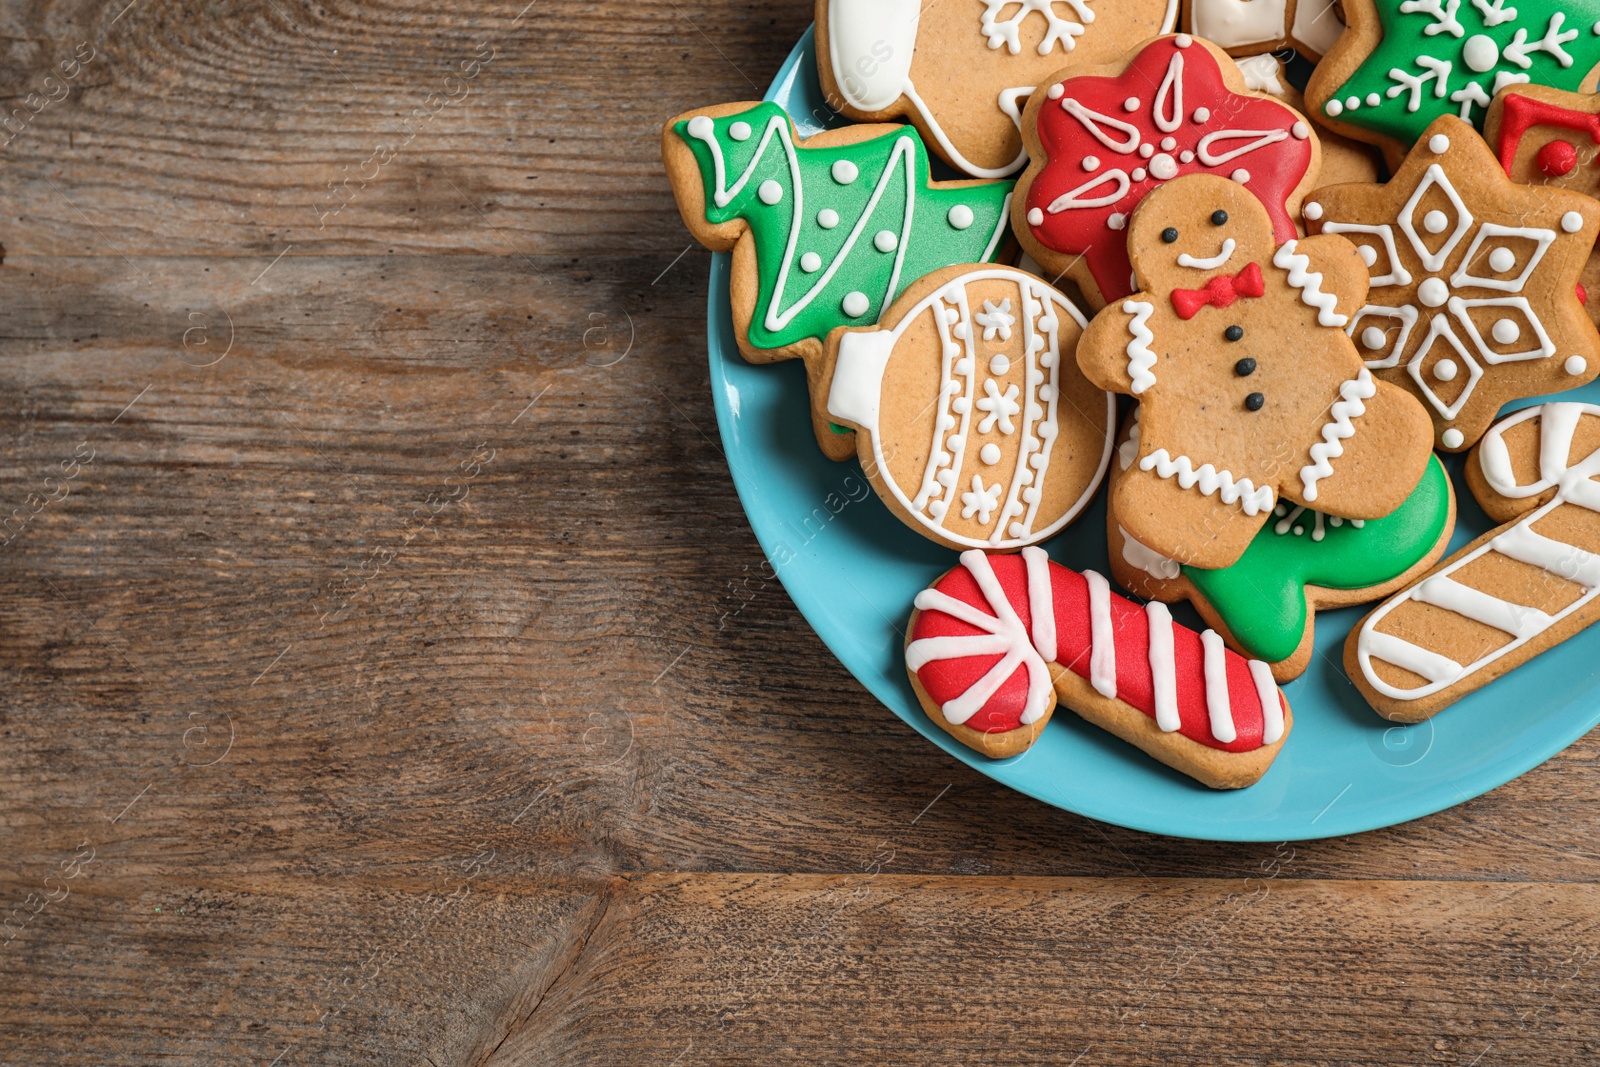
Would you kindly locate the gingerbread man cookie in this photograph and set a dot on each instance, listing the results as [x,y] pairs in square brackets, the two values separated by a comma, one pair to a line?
[994,643]
[1301,562]
[1518,590]
[1098,143]
[961,71]
[976,426]
[1403,63]
[825,231]
[1249,387]
[1474,290]
[1251,27]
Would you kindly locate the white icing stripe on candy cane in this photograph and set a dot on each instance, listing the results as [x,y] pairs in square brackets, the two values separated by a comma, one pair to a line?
[1242,491]
[1336,429]
[1163,666]
[1003,634]
[1103,646]
[1271,706]
[1515,619]
[1218,706]
[1140,357]
[1520,542]
[1309,282]
[1041,602]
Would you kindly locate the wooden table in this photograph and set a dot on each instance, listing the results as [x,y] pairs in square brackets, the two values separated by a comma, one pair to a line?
[389,678]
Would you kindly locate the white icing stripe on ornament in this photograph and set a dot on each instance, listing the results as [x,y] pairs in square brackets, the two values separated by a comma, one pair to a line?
[857,385]
[1209,262]
[1336,430]
[1140,357]
[1003,633]
[1515,619]
[1271,705]
[1147,559]
[1241,491]
[1041,602]
[1218,706]
[1309,282]
[1214,159]
[901,158]
[1163,666]
[1102,637]
[1575,487]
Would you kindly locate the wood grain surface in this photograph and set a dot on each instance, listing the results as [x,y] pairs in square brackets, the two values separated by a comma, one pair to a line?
[388,676]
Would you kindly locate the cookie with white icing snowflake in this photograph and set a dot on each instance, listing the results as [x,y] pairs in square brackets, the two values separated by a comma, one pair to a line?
[1403,63]
[1252,27]
[824,231]
[1249,388]
[996,642]
[975,425]
[1474,296]
[1301,562]
[1099,142]
[961,71]
[1518,590]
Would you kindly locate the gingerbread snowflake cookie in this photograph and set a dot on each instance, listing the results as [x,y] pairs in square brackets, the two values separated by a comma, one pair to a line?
[994,643]
[1301,562]
[976,426]
[1403,63]
[1098,143]
[1249,388]
[1251,27]
[1518,590]
[961,71]
[825,231]
[1474,281]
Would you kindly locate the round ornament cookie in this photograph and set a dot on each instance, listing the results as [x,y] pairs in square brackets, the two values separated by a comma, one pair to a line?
[1099,142]
[1301,561]
[961,71]
[976,426]
[1403,63]
[1474,297]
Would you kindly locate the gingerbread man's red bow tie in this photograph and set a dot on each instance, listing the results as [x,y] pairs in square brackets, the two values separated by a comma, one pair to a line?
[1218,292]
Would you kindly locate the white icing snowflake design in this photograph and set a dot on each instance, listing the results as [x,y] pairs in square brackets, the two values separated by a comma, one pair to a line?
[1445,297]
[1005,31]
[996,321]
[1000,407]
[980,502]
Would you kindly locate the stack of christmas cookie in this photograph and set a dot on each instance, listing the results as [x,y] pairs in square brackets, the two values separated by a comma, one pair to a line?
[1257,305]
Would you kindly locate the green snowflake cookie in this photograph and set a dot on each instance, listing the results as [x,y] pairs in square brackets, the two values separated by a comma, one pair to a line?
[839,230]
[1451,56]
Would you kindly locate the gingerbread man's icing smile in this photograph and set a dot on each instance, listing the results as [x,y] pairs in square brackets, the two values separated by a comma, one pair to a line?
[1249,388]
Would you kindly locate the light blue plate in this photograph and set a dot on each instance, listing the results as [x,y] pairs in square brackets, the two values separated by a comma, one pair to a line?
[852,570]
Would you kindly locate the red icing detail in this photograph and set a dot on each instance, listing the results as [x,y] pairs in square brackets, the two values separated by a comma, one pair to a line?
[1519,114]
[1557,158]
[1220,291]
[944,680]
[1275,169]
[1583,294]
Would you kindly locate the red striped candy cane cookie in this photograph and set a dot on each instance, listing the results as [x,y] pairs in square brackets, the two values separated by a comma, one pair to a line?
[1521,588]
[994,643]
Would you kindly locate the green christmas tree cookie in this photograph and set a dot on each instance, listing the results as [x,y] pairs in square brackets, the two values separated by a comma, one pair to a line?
[1266,603]
[1403,63]
[825,232]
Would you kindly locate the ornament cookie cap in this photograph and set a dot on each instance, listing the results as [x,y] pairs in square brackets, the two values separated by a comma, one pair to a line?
[1474,297]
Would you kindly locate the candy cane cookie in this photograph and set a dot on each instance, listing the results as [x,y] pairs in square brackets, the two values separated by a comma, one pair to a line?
[997,641]
[1521,588]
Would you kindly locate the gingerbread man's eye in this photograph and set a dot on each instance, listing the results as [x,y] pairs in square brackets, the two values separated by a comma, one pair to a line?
[1169,235]
[1219,218]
